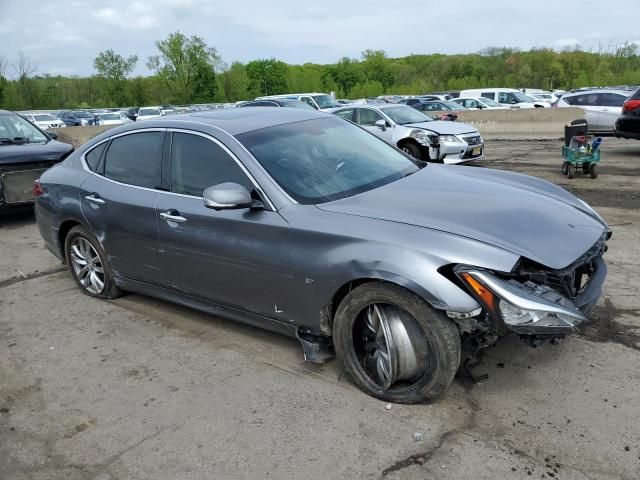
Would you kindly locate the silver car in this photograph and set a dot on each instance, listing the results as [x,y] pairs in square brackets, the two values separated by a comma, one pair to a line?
[416,133]
[299,222]
[602,107]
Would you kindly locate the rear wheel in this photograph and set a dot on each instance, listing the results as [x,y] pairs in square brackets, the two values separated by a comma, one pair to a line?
[88,265]
[571,171]
[565,166]
[593,171]
[394,345]
[412,149]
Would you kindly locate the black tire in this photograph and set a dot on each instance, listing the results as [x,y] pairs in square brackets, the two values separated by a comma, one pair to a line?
[412,149]
[441,342]
[110,289]
[593,171]
[565,164]
[571,171]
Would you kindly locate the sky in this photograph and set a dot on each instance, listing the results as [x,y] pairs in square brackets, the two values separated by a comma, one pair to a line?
[62,37]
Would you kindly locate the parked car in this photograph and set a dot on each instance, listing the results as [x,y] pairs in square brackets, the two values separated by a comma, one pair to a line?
[417,134]
[145,113]
[509,97]
[25,153]
[277,102]
[132,113]
[43,120]
[544,96]
[319,101]
[478,103]
[628,123]
[602,107]
[113,118]
[302,223]
[78,118]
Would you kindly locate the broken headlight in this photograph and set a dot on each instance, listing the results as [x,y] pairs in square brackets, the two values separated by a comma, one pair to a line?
[521,306]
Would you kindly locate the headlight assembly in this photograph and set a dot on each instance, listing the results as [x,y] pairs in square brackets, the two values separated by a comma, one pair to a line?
[450,139]
[523,307]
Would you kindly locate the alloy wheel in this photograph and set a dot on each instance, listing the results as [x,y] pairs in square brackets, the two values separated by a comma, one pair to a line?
[386,345]
[87,265]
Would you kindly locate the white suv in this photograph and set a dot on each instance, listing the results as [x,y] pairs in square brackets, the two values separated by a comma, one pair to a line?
[601,107]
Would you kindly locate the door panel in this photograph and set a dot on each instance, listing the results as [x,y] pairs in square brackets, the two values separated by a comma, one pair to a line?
[237,258]
[367,118]
[124,220]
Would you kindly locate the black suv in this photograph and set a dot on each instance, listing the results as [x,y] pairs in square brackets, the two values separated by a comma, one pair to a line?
[628,124]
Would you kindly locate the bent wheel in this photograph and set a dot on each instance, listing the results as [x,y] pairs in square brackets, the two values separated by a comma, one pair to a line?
[394,345]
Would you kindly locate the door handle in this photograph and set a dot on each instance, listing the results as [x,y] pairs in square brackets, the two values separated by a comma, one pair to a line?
[170,217]
[95,199]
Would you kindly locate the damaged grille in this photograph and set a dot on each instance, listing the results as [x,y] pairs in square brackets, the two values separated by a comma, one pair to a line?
[569,281]
[476,140]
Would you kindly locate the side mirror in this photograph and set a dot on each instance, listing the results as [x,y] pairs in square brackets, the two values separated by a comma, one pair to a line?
[228,195]
[381,124]
[53,135]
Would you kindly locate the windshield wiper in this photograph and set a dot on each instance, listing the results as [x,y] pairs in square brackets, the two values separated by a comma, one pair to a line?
[14,140]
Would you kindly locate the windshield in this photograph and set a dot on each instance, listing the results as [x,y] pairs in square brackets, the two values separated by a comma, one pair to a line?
[489,102]
[325,101]
[44,117]
[402,115]
[521,97]
[453,105]
[81,114]
[321,160]
[149,111]
[14,128]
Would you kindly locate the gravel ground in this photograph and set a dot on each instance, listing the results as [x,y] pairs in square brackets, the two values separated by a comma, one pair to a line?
[141,389]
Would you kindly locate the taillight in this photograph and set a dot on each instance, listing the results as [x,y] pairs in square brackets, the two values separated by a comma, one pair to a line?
[37,188]
[630,105]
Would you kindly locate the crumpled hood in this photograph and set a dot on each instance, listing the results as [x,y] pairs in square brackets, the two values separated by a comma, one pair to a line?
[51,151]
[524,215]
[444,127]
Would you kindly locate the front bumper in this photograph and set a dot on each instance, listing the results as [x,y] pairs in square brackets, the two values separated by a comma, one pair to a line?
[469,148]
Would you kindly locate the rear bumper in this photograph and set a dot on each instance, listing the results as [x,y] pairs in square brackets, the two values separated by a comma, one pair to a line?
[627,127]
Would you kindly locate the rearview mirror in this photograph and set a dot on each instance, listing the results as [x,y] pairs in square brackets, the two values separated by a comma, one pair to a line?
[381,124]
[227,195]
[53,135]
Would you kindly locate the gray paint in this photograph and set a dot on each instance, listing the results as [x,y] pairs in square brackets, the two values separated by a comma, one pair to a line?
[285,263]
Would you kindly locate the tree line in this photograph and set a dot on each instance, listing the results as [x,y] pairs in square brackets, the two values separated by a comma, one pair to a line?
[186,70]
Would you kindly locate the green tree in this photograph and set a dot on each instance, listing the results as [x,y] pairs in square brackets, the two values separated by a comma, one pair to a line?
[115,69]
[377,67]
[187,65]
[267,76]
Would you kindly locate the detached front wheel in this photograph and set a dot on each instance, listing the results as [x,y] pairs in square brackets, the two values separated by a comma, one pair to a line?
[395,346]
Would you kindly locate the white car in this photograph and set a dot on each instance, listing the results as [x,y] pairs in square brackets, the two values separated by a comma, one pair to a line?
[146,113]
[478,103]
[319,101]
[415,133]
[44,120]
[602,107]
[509,97]
[113,118]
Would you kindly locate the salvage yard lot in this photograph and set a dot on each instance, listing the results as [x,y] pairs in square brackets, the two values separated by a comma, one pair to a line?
[139,388]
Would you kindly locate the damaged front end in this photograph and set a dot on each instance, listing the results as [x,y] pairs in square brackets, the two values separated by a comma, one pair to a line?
[532,301]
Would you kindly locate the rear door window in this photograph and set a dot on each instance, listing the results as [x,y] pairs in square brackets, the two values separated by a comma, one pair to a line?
[346,114]
[368,118]
[135,159]
[490,95]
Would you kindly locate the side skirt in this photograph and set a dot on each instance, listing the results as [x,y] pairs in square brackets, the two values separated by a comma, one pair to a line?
[205,306]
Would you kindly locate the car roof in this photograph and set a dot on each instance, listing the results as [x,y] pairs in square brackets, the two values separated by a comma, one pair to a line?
[235,121]
[598,90]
